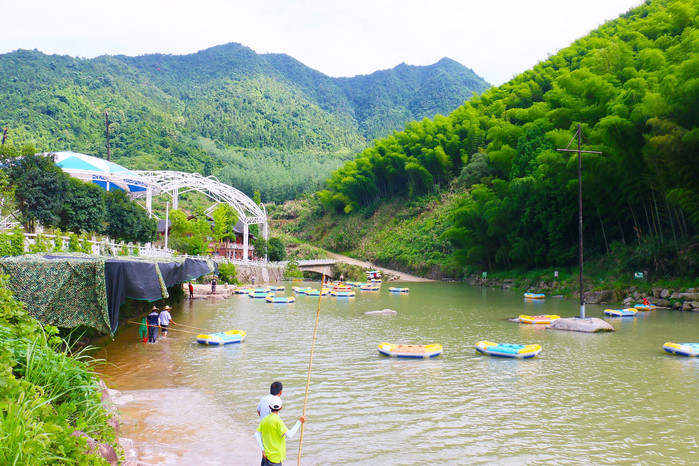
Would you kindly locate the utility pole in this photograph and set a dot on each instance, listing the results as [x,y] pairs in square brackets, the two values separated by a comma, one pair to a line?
[580,215]
[106,122]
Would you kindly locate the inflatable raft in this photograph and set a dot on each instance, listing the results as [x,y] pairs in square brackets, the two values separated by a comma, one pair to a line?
[314,292]
[343,294]
[621,312]
[276,288]
[394,289]
[505,350]
[541,319]
[411,351]
[534,296]
[280,299]
[221,338]
[645,307]
[682,349]
[260,294]
[300,289]
[370,287]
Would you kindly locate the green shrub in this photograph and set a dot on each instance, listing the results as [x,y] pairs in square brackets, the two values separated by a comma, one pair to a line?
[45,394]
[227,273]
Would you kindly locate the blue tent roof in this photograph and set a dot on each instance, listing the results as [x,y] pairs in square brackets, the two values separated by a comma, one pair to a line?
[108,175]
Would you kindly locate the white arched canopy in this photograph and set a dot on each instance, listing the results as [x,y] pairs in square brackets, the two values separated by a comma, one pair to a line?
[175,183]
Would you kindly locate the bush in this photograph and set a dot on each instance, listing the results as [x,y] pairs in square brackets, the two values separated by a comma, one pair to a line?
[227,273]
[45,394]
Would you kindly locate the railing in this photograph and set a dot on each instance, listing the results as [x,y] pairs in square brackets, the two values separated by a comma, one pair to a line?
[104,246]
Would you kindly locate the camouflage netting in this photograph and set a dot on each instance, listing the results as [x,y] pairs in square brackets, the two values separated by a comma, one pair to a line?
[65,293]
[69,290]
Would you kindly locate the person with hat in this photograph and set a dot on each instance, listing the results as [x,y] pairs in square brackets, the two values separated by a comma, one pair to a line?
[263,406]
[164,320]
[271,434]
[152,320]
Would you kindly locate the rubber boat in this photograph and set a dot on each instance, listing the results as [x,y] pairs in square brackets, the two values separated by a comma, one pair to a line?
[260,294]
[280,299]
[394,289]
[682,349]
[314,292]
[534,296]
[411,351]
[300,289]
[221,338]
[542,319]
[370,287]
[343,294]
[244,290]
[621,312]
[341,287]
[645,307]
[505,350]
[276,288]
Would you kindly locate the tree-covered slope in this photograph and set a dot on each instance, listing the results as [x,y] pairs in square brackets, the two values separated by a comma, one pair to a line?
[632,85]
[168,111]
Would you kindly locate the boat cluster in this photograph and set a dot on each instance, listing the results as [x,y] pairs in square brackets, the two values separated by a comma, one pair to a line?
[505,350]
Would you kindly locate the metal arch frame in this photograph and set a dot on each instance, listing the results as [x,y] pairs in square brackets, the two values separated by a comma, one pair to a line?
[174,183]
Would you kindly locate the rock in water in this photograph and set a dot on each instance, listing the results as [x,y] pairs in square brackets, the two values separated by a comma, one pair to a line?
[384,312]
[575,324]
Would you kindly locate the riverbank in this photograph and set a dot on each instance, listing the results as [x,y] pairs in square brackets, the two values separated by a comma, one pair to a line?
[682,299]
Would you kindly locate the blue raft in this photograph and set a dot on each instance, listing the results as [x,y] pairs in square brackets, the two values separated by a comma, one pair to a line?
[221,338]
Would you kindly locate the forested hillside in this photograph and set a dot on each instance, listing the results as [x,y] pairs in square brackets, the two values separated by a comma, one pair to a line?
[220,111]
[633,86]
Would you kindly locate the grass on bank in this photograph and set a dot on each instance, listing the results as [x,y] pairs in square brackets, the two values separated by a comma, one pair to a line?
[46,394]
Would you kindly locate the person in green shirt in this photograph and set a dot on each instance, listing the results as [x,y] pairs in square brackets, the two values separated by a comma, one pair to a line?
[143,330]
[271,434]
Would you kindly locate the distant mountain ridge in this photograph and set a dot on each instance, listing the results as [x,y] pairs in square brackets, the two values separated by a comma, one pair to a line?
[226,110]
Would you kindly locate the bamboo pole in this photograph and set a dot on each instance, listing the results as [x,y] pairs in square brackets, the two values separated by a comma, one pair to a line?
[310,364]
[189,326]
[169,329]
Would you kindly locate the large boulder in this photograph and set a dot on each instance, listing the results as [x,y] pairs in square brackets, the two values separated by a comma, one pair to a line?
[575,324]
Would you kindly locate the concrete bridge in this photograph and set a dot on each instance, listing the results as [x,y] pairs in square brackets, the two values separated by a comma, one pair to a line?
[319,266]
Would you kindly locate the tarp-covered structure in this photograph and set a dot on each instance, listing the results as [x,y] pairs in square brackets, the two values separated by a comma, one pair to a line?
[69,290]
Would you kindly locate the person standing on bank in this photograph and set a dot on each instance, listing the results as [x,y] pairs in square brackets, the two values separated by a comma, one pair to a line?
[271,434]
[191,290]
[263,406]
[152,319]
[164,320]
[213,285]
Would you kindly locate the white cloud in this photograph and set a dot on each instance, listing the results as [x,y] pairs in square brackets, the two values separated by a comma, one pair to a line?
[495,38]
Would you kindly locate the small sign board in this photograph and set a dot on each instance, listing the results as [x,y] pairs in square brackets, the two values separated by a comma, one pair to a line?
[485,274]
[638,274]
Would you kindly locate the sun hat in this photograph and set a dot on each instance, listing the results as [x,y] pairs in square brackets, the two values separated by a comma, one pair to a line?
[167,307]
[275,403]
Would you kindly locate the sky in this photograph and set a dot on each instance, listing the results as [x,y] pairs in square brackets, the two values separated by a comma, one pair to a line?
[497,39]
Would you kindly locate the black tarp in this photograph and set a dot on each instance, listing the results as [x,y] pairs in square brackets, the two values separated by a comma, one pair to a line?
[138,279]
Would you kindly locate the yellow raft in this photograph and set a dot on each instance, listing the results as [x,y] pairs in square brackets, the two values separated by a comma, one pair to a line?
[411,351]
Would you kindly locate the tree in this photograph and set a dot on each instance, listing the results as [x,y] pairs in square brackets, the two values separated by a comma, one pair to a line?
[276,249]
[126,220]
[40,188]
[84,208]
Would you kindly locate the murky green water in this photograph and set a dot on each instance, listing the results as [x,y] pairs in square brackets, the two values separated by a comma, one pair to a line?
[614,398]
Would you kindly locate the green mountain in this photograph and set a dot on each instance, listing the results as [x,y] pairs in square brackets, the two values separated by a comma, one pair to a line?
[217,110]
[632,85]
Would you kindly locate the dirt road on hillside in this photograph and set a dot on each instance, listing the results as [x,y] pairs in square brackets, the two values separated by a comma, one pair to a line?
[402,276]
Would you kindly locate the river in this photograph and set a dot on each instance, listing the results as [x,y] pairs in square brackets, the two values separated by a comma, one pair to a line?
[608,398]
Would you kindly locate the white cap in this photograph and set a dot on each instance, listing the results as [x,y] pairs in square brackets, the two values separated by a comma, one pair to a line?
[275,403]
